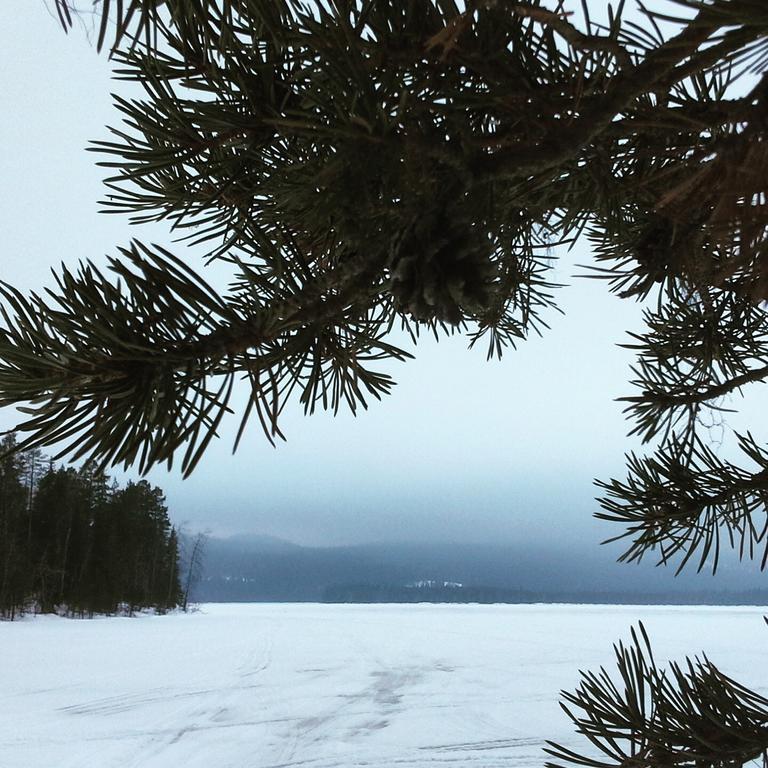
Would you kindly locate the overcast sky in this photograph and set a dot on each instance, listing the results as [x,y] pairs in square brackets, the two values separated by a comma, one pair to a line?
[464,449]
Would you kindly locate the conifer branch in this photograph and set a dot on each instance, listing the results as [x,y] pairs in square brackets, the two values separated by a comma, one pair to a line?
[689,715]
[575,37]
[686,501]
[568,138]
[160,375]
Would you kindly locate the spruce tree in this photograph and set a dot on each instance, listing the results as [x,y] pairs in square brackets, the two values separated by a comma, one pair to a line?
[14,548]
[95,490]
[364,166]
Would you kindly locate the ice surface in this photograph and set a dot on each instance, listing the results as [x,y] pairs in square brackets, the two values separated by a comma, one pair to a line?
[251,686]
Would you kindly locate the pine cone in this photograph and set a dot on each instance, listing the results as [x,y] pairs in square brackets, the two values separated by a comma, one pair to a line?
[442,271]
[652,248]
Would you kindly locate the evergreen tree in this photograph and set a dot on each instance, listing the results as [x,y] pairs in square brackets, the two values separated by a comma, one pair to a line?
[14,547]
[56,535]
[89,576]
[82,546]
[364,165]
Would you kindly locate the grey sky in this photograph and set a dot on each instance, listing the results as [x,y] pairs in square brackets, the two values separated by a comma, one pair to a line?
[464,449]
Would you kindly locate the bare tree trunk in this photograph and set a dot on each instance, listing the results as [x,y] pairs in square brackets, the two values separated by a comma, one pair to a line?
[195,569]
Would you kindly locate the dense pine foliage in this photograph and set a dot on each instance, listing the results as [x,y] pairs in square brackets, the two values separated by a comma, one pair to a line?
[71,541]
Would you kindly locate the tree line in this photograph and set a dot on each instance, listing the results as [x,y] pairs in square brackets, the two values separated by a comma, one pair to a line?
[71,541]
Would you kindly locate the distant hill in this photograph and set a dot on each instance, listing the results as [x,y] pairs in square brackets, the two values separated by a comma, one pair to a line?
[254,568]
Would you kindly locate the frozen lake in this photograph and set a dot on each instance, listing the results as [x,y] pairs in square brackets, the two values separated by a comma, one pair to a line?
[257,686]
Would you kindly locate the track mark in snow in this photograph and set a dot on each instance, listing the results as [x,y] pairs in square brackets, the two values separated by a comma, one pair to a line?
[257,662]
[366,728]
[389,684]
[360,714]
[222,715]
[112,705]
[478,746]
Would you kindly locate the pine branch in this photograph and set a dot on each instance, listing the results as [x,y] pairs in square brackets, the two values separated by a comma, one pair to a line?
[566,140]
[131,20]
[696,351]
[575,37]
[685,501]
[660,402]
[689,715]
[135,373]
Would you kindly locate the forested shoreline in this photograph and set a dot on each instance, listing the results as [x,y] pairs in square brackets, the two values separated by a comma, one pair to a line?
[73,542]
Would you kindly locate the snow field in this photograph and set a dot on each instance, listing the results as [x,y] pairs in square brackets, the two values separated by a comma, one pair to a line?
[328,686]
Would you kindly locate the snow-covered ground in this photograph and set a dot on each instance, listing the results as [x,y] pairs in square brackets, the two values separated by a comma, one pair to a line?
[251,686]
